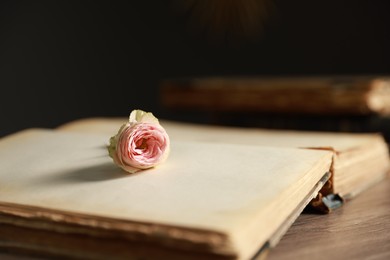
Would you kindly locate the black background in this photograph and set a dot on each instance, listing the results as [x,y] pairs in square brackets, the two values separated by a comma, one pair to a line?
[64,60]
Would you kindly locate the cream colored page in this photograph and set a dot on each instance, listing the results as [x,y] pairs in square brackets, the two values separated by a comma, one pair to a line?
[192,132]
[201,185]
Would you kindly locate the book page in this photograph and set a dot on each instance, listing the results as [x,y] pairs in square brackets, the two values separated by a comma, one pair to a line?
[243,192]
[339,142]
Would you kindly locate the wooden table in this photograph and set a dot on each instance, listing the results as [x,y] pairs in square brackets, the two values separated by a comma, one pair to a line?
[358,230]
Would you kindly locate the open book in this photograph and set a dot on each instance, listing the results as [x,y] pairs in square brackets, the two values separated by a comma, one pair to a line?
[62,196]
[223,193]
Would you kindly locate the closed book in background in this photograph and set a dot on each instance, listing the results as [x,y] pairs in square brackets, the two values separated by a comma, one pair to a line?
[334,103]
[308,95]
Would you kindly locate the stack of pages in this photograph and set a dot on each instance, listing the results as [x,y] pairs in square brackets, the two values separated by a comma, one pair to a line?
[224,193]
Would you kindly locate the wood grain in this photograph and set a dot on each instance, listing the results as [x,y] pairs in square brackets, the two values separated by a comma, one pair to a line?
[358,230]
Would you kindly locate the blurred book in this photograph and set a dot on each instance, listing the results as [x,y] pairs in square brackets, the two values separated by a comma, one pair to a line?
[352,95]
[335,103]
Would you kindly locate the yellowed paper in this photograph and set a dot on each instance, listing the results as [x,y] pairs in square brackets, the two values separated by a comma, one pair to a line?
[242,192]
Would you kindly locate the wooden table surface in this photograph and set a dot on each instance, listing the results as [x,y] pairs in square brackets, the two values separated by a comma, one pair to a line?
[358,230]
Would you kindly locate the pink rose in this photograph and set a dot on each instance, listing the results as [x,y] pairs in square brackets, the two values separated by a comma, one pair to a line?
[140,143]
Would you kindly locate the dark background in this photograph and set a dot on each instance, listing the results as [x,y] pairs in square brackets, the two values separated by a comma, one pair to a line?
[64,60]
